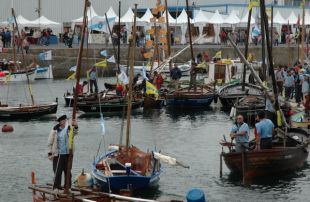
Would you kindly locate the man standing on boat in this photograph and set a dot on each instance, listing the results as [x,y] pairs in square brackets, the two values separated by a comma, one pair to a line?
[93,80]
[289,83]
[240,132]
[175,74]
[58,149]
[265,130]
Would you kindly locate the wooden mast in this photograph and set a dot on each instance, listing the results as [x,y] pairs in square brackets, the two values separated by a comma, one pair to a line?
[263,31]
[119,37]
[78,74]
[132,61]
[168,35]
[193,72]
[302,33]
[246,48]
[19,37]
[271,70]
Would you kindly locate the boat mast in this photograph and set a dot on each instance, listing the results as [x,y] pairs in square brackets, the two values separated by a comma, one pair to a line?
[246,48]
[271,70]
[111,35]
[132,61]
[193,73]
[119,37]
[168,35]
[263,31]
[78,74]
[302,33]
[28,81]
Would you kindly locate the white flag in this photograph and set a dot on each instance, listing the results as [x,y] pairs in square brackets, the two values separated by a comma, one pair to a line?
[46,55]
[111,59]
[122,77]
[102,124]
[144,72]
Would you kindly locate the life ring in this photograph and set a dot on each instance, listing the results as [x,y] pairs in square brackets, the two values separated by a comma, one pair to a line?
[7,128]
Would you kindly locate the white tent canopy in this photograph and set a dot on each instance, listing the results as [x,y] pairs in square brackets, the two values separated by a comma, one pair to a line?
[170,18]
[111,14]
[23,21]
[182,19]
[91,13]
[44,22]
[232,18]
[147,16]
[244,20]
[200,18]
[292,19]
[217,18]
[307,19]
[128,17]
[278,19]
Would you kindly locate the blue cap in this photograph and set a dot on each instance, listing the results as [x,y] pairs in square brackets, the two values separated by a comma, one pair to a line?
[195,195]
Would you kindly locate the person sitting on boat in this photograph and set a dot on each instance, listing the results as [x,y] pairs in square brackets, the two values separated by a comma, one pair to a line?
[265,130]
[119,89]
[240,132]
[58,149]
[158,80]
[80,89]
[176,75]
[93,80]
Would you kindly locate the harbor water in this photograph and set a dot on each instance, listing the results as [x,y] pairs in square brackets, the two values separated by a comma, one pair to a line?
[190,136]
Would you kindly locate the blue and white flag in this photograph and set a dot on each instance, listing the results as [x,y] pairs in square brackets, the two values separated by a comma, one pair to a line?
[144,72]
[111,59]
[122,77]
[100,24]
[10,20]
[102,125]
[72,69]
[45,55]
[104,53]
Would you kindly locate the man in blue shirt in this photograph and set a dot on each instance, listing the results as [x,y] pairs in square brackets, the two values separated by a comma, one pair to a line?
[265,130]
[93,80]
[289,83]
[240,132]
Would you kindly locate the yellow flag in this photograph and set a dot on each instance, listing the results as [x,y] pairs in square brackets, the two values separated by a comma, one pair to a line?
[250,57]
[102,63]
[227,61]
[279,118]
[70,138]
[71,77]
[218,54]
[151,89]
[8,77]
[253,3]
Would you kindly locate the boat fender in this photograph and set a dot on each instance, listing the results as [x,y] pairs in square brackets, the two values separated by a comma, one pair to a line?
[7,128]
[100,166]
[195,195]
[232,112]
[84,180]
[128,167]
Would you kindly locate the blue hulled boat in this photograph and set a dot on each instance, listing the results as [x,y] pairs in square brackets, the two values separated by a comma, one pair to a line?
[126,167]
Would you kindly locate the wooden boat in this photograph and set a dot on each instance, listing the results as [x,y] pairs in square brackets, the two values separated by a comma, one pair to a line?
[111,104]
[44,73]
[150,102]
[249,106]
[276,161]
[300,120]
[188,98]
[111,170]
[17,76]
[27,111]
[230,94]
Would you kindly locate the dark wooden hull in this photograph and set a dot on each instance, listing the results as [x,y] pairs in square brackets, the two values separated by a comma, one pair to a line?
[230,94]
[152,103]
[267,162]
[106,106]
[27,112]
[249,106]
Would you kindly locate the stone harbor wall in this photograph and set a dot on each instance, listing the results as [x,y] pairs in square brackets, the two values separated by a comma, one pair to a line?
[64,58]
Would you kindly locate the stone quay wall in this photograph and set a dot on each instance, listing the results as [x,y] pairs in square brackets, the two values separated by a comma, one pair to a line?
[64,58]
